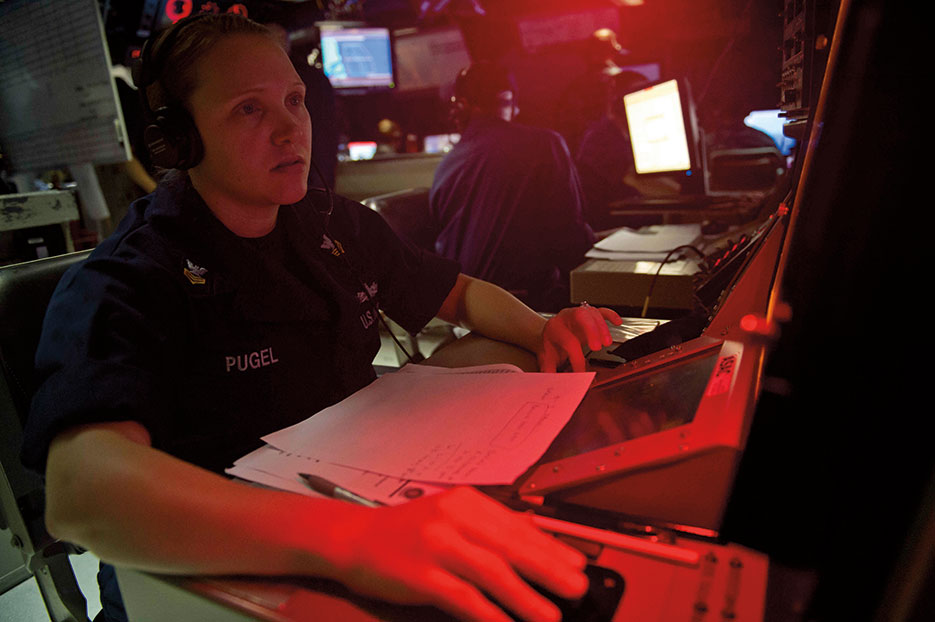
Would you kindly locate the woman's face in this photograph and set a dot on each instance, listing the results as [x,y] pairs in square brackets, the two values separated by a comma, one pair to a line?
[249,107]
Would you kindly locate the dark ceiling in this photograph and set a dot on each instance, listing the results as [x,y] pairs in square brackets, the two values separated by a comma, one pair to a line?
[727,49]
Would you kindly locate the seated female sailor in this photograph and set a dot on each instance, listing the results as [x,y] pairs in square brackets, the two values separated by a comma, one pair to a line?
[234,301]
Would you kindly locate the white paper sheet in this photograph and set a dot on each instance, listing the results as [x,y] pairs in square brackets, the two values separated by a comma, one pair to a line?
[652,239]
[442,426]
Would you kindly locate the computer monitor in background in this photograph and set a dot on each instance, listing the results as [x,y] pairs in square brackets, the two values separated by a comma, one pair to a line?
[664,133]
[362,150]
[440,143]
[357,59]
[429,59]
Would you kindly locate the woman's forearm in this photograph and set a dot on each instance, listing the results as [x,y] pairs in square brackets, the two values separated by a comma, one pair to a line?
[493,312]
[131,504]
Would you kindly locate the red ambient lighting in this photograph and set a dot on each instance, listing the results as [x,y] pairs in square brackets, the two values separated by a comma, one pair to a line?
[750,323]
[180,9]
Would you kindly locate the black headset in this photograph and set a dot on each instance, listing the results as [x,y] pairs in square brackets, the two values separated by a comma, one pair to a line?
[469,90]
[170,135]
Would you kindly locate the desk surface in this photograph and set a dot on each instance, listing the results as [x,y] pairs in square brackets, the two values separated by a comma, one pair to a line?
[728,580]
[157,598]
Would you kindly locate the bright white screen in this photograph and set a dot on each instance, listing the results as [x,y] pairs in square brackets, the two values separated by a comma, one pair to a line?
[657,129]
[362,150]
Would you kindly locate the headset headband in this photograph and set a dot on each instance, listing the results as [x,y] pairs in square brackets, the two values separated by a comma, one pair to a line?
[151,62]
[171,135]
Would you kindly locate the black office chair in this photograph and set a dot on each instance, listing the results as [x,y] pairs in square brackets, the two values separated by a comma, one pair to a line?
[25,290]
[407,213]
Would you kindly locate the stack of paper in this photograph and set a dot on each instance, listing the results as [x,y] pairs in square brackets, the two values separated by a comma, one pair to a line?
[645,244]
[422,429]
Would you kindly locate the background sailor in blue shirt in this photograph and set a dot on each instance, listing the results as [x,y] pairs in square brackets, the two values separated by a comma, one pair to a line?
[506,200]
[235,300]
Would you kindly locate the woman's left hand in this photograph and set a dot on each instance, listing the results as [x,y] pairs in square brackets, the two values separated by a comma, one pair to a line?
[571,331]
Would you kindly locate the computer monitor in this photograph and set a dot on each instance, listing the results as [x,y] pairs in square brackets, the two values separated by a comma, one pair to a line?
[664,132]
[357,59]
[658,440]
[441,143]
[429,59]
[362,150]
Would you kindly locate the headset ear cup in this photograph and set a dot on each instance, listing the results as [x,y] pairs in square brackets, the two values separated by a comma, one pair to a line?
[173,140]
[458,112]
[163,151]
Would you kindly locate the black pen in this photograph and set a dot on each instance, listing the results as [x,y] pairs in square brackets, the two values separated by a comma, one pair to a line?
[330,489]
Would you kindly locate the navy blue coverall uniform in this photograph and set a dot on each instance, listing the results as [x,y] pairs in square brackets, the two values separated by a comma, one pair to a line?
[508,206]
[604,157]
[210,340]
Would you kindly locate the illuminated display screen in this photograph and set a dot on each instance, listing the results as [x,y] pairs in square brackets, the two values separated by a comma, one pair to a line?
[441,143]
[357,57]
[657,129]
[362,150]
[635,406]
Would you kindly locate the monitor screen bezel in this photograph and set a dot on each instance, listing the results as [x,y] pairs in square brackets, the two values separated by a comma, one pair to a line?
[721,421]
[348,88]
[695,170]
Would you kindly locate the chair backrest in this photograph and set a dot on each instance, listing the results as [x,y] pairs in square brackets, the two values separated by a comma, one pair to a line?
[407,213]
[25,290]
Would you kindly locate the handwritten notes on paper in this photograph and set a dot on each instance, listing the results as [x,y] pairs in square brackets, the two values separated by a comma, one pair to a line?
[480,426]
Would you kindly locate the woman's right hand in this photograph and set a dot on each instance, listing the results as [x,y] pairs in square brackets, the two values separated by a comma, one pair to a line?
[458,551]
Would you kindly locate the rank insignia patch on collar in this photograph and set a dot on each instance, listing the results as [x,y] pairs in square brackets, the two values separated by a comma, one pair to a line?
[195,274]
[332,245]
